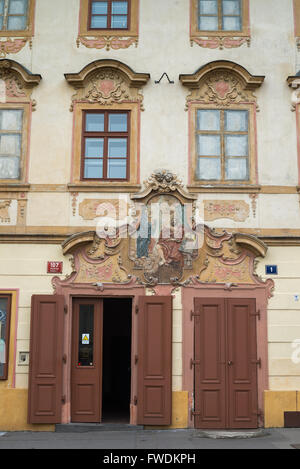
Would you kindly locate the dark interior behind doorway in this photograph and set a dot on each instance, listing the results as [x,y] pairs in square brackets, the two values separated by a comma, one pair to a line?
[116,360]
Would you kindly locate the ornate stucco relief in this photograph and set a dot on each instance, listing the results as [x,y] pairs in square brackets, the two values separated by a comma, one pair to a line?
[236,210]
[107,42]
[221,42]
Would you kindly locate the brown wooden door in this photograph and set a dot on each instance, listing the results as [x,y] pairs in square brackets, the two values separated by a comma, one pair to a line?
[210,372]
[242,367]
[155,360]
[86,374]
[46,359]
[225,363]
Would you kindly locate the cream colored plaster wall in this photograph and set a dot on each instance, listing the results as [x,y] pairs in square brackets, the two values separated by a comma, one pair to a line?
[284,319]
[24,267]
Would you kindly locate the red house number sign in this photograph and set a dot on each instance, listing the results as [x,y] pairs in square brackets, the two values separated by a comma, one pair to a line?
[54,267]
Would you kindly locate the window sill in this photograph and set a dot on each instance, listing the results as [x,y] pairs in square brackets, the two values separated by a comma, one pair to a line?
[104,187]
[217,188]
[14,187]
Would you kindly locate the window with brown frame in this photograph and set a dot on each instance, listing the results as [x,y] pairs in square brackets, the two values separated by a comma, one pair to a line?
[5,313]
[105,145]
[11,143]
[222,145]
[109,14]
[220,15]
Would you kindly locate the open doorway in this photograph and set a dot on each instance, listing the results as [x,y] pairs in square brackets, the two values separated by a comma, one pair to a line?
[116,384]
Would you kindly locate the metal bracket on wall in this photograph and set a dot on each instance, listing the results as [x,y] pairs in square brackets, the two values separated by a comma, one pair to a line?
[157,82]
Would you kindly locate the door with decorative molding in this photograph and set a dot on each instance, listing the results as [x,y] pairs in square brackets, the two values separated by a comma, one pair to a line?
[225,363]
[86,373]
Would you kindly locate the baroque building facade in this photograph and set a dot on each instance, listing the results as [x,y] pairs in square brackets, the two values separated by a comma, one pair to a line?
[149,213]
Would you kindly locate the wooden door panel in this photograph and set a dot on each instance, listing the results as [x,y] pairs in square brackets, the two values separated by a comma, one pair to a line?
[86,375]
[154,360]
[210,390]
[225,363]
[46,359]
[242,372]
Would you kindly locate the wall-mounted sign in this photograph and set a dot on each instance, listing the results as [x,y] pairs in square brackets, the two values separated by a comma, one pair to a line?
[271,270]
[54,267]
[85,339]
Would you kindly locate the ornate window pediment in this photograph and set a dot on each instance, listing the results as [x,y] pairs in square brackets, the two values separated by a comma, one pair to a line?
[107,87]
[222,114]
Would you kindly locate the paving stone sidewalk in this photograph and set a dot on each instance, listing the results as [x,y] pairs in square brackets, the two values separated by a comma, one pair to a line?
[146,439]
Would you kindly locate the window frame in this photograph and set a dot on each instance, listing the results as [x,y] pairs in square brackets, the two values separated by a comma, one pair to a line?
[85,30]
[7,335]
[105,135]
[222,133]
[25,107]
[29,30]
[252,147]
[109,16]
[196,32]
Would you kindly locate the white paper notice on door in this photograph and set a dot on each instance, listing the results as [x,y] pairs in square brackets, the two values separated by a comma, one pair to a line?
[85,339]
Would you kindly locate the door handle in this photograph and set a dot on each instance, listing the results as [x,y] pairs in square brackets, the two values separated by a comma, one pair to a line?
[230,363]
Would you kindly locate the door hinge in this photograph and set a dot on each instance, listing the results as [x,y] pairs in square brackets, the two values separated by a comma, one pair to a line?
[136,309]
[257,362]
[66,309]
[257,314]
[258,412]
[135,400]
[64,358]
[194,362]
[136,359]
[195,414]
[193,314]
[63,399]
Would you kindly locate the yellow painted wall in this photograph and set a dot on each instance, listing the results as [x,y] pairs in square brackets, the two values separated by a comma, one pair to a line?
[13,412]
[278,402]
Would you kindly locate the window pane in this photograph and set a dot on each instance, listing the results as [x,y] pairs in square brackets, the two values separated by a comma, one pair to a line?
[208,23]
[1,22]
[99,8]
[236,145]
[118,22]
[94,123]
[209,145]
[209,168]
[119,8]
[86,335]
[208,7]
[236,121]
[237,169]
[10,145]
[1,7]
[208,120]
[11,119]
[17,7]
[99,22]
[117,169]
[94,147]
[231,23]
[93,169]
[231,7]
[3,328]
[9,167]
[117,123]
[117,147]
[16,23]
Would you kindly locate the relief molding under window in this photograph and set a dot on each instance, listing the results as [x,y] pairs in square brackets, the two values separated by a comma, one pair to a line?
[16,25]
[220,23]
[109,24]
